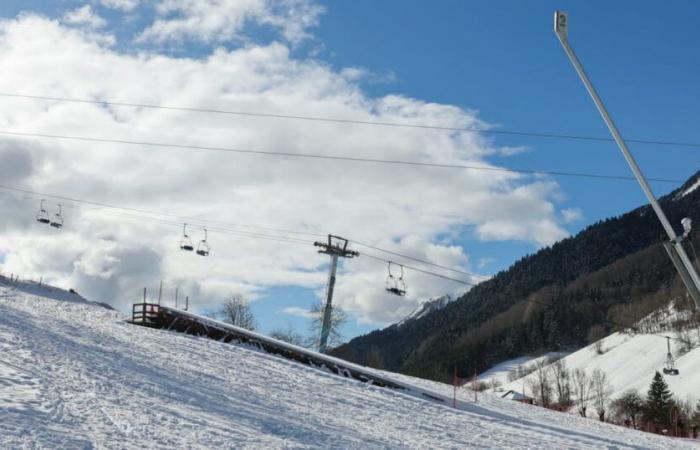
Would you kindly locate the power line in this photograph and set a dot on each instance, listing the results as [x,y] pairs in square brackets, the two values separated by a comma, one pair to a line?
[549,135]
[331,157]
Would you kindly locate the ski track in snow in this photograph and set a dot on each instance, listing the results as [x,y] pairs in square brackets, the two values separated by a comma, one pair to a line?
[75,375]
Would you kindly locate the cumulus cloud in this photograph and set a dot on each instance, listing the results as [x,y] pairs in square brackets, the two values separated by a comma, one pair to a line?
[16,160]
[298,312]
[223,20]
[84,16]
[570,215]
[123,5]
[111,254]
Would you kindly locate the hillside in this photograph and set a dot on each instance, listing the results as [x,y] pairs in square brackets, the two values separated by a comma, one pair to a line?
[631,359]
[75,375]
[614,271]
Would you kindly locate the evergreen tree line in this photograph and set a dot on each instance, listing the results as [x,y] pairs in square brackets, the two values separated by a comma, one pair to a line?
[605,279]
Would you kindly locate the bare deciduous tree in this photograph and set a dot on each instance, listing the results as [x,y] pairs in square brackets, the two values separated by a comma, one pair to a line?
[562,382]
[288,335]
[236,311]
[539,383]
[601,392]
[338,319]
[685,340]
[595,335]
[582,389]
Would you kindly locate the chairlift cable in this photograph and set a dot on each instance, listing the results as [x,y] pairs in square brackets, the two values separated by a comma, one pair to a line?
[416,269]
[418,260]
[201,223]
[150,212]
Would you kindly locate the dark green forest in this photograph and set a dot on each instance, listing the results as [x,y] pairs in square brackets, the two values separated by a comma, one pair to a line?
[580,289]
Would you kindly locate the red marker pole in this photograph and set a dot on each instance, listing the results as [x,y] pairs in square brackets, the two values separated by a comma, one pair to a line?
[454,385]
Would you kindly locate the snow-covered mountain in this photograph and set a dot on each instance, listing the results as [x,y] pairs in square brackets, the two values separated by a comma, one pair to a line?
[76,375]
[427,307]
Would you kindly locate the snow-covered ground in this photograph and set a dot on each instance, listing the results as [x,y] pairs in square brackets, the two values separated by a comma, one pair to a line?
[499,372]
[75,375]
[630,362]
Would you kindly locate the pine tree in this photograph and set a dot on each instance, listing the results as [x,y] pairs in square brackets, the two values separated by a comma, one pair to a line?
[658,403]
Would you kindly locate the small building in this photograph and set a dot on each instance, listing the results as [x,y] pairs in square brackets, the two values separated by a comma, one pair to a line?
[518,397]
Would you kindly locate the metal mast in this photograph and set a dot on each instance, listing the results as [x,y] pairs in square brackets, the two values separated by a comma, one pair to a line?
[675,246]
[335,247]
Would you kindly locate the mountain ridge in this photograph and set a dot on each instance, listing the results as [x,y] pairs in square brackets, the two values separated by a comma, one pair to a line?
[433,345]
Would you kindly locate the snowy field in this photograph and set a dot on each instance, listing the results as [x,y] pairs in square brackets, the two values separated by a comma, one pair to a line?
[75,375]
[630,362]
[499,372]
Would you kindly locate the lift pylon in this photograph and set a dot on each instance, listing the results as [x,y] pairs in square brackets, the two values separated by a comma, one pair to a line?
[335,247]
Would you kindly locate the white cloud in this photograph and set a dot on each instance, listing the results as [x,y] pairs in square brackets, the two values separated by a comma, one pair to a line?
[84,16]
[224,20]
[483,262]
[570,215]
[123,5]
[111,256]
[298,312]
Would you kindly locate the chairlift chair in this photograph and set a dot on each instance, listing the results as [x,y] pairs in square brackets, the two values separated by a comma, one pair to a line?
[42,216]
[185,241]
[57,219]
[395,285]
[670,367]
[203,247]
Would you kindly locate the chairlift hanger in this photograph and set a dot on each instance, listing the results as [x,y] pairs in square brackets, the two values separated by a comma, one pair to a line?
[185,241]
[57,219]
[42,216]
[670,366]
[203,247]
[394,285]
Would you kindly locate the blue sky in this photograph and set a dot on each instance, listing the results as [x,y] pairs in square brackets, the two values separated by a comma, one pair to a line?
[501,58]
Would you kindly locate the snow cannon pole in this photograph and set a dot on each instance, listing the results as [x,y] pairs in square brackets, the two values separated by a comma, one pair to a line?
[677,253]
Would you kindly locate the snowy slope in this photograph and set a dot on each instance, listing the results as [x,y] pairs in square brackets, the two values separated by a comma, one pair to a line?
[75,375]
[630,362]
[499,372]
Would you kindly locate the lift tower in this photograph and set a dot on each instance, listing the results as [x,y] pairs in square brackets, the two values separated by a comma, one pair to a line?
[674,247]
[335,247]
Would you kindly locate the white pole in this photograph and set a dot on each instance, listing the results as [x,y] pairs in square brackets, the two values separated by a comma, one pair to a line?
[561,26]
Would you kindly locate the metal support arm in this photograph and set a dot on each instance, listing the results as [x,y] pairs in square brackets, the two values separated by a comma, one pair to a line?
[685,268]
